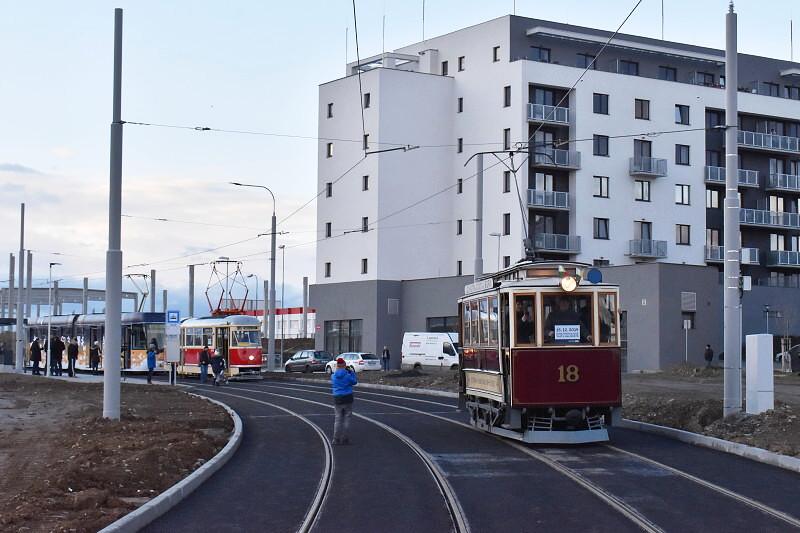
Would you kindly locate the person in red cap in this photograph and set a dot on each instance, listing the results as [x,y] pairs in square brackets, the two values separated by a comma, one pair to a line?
[342,381]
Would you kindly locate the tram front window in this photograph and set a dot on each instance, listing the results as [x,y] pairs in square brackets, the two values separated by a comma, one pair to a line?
[607,307]
[245,338]
[524,315]
[567,319]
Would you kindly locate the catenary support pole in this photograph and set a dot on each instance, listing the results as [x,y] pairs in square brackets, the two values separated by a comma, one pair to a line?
[56,307]
[11,274]
[164,299]
[266,310]
[29,286]
[19,361]
[273,245]
[112,348]
[305,308]
[153,291]
[479,217]
[732,373]
[191,290]
[85,297]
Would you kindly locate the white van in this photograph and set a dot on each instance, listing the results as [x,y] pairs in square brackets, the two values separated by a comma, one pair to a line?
[430,349]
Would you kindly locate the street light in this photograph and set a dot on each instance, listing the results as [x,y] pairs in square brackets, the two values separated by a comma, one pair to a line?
[255,276]
[498,235]
[273,233]
[283,279]
[49,316]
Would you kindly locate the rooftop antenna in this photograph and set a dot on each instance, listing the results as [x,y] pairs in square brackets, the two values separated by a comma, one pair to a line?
[383,33]
[515,7]
[791,40]
[662,20]
[346,40]
[423,21]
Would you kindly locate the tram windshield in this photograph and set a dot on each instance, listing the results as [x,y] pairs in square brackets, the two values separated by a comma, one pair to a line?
[525,316]
[245,338]
[567,318]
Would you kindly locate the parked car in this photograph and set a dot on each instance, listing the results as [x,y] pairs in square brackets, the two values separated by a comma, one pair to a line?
[429,349]
[308,361]
[356,361]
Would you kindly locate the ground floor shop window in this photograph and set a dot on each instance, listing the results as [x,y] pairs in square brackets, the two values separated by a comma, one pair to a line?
[343,336]
[442,324]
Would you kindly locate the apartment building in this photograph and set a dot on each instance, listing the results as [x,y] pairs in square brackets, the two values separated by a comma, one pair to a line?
[620,170]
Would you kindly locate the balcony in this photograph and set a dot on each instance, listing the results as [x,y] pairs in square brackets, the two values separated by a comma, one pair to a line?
[749,256]
[747,178]
[647,248]
[648,167]
[548,199]
[555,243]
[778,258]
[769,141]
[769,219]
[783,182]
[555,158]
[716,254]
[548,114]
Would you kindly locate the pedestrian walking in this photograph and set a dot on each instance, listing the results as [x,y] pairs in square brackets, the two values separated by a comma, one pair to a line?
[708,355]
[72,357]
[385,358]
[151,361]
[36,356]
[342,382]
[204,360]
[218,367]
[56,351]
[94,358]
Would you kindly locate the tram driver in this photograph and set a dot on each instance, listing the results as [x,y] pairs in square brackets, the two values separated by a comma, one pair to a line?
[564,324]
[523,313]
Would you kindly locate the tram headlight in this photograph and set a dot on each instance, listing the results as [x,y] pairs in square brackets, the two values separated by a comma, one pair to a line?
[251,357]
[569,283]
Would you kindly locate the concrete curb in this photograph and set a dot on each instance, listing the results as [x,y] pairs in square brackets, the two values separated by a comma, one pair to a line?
[735,448]
[375,386]
[139,518]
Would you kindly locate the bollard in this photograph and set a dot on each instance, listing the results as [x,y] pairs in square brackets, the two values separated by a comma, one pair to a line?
[759,382]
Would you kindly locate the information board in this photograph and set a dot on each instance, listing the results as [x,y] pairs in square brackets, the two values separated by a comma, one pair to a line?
[570,332]
[172,335]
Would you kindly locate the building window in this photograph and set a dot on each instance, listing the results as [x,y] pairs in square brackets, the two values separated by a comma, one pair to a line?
[366,141]
[460,145]
[601,228]
[792,92]
[330,110]
[714,118]
[586,61]
[507,96]
[459,226]
[364,265]
[327,270]
[668,73]
[682,234]
[506,181]
[329,150]
[461,63]
[506,261]
[642,190]
[442,324]
[628,67]
[459,270]
[506,223]
[496,54]
[367,100]
[365,183]
[365,224]
[771,89]
[681,154]
[712,198]
[712,237]
[600,187]
[444,68]
[600,103]
[682,194]
[328,230]
[540,54]
[343,336]
[459,186]
[704,78]
[713,158]
[329,189]
[460,106]
[777,242]
[601,262]
[507,139]
[600,145]
[681,114]
[642,109]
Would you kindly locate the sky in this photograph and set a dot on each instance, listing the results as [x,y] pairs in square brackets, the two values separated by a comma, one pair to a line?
[247,66]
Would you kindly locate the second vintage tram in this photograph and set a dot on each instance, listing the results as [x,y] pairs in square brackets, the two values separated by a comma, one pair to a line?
[541,357]
[237,337]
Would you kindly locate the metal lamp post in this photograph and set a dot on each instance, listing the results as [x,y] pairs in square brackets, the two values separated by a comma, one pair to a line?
[283,302]
[255,276]
[49,315]
[498,235]
[273,234]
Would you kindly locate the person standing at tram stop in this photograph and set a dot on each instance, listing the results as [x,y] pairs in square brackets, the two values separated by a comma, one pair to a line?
[72,356]
[204,360]
[218,367]
[94,358]
[708,355]
[385,358]
[151,362]
[342,381]
[56,346]
[36,356]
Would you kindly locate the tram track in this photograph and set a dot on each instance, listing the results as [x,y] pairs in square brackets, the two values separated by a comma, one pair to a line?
[629,512]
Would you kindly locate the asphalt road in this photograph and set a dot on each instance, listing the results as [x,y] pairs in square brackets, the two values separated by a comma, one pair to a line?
[414,467]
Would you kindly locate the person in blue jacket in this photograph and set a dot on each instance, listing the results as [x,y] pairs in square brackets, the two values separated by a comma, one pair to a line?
[151,361]
[342,381]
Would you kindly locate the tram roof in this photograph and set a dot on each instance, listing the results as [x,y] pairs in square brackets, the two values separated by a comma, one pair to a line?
[232,320]
[100,318]
[533,274]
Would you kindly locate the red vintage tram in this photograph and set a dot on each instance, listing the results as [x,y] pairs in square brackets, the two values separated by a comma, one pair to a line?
[237,337]
[541,353]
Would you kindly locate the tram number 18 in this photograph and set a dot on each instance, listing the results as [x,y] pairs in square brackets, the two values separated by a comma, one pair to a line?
[568,374]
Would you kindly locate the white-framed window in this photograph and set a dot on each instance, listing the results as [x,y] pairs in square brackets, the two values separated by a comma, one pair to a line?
[600,184]
[682,194]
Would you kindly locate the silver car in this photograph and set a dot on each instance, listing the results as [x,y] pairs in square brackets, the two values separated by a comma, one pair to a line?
[356,361]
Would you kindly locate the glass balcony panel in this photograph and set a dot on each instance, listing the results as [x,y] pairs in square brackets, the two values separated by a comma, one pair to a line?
[554,242]
[647,248]
[548,199]
[648,166]
[548,113]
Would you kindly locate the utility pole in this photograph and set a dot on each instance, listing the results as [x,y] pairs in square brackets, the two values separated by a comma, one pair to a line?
[29,286]
[11,274]
[191,291]
[732,373]
[153,291]
[283,302]
[49,315]
[85,297]
[112,348]
[479,218]
[305,306]
[266,311]
[164,299]
[19,363]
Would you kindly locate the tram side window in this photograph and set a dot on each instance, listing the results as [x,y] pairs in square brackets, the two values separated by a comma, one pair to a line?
[465,324]
[138,337]
[493,321]
[607,307]
[483,306]
[504,329]
[567,319]
[473,320]
[208,335]
[525,319]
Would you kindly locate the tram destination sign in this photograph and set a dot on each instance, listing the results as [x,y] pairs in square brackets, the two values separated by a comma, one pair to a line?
[478,286]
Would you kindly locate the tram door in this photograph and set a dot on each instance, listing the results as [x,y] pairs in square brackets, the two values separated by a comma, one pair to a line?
[221,343]
[126,347]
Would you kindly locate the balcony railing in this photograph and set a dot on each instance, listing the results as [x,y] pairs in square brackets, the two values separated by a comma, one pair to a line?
[716,254]
[548,113]
[647,248]
[769,141]
[750,256]
[779,258]
[747,178]
[548,199]
[553,242]
[648,166]
[553,157]
[786,282]
[774,219]
[784,182]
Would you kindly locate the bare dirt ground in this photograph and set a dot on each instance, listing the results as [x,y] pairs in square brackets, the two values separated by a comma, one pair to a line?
[71,470]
